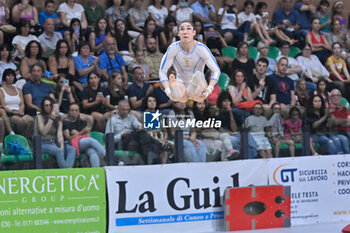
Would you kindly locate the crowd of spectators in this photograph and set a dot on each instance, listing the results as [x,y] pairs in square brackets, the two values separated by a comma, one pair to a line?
[105,63]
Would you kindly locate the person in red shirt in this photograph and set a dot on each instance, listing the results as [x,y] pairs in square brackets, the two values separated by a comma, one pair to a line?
[339,122]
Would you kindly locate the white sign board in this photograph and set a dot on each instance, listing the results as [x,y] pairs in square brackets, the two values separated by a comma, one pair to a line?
[186,197]
[320,187]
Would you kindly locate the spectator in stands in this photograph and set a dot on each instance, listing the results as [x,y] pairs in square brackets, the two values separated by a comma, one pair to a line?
[240,93]
[4,18]
[93,12]
[139,61]
[48,13]
[76,128]
[137,15]
[150,104]
[203,10]
[33,54]
[74,35]
[317,117]
[228,22]
[138,89]
[263,20]
[23,37]
[110,60]
[194,149]
[306,13]
[115,91]
[293,128]
[338,70]
[5,60]
[12,102]
[115,12]
[263,49]
[181,11]
[219,144]
[319,44]
[124,45]
[256,124]
[301,94]
[96,38]
[69,10]
[228,124]
[284,85]
[158,12]
[199,27]
[25,10]
[322,14]
[287,20]
[153,58]
[275,133]
[49,38]
[339,119]
[35,90]
[262,88]
[294,69]
[169,34]
[61,62]
[255,28]
[51,129]
[322,90]
[149,30]
[337,13]
[239,90]
[93,101]
[341,36]
[215,42]
[63,93]
[242,60]
[128,131]
[312,68]
[84,64]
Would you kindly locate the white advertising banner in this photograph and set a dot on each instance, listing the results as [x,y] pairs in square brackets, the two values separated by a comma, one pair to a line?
[186,197]
[320,187]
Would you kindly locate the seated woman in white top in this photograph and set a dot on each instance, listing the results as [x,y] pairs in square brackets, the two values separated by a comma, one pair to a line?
[158,12]
[137,15]
[11,100]
[69,10]
[181,11]
[20,41]
[312,68]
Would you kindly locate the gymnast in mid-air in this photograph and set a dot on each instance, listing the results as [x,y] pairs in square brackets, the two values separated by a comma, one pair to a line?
[188,57]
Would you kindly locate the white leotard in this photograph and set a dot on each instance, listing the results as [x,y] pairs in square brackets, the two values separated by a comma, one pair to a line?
[186,64]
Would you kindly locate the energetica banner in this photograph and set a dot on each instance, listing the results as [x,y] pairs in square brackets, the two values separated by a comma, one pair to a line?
[320,187]
[184,197]
[55,200]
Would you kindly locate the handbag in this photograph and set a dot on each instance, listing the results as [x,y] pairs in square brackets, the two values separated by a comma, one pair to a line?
[8,28]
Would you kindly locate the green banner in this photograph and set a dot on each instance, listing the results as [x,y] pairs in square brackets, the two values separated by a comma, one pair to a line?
[53,201]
